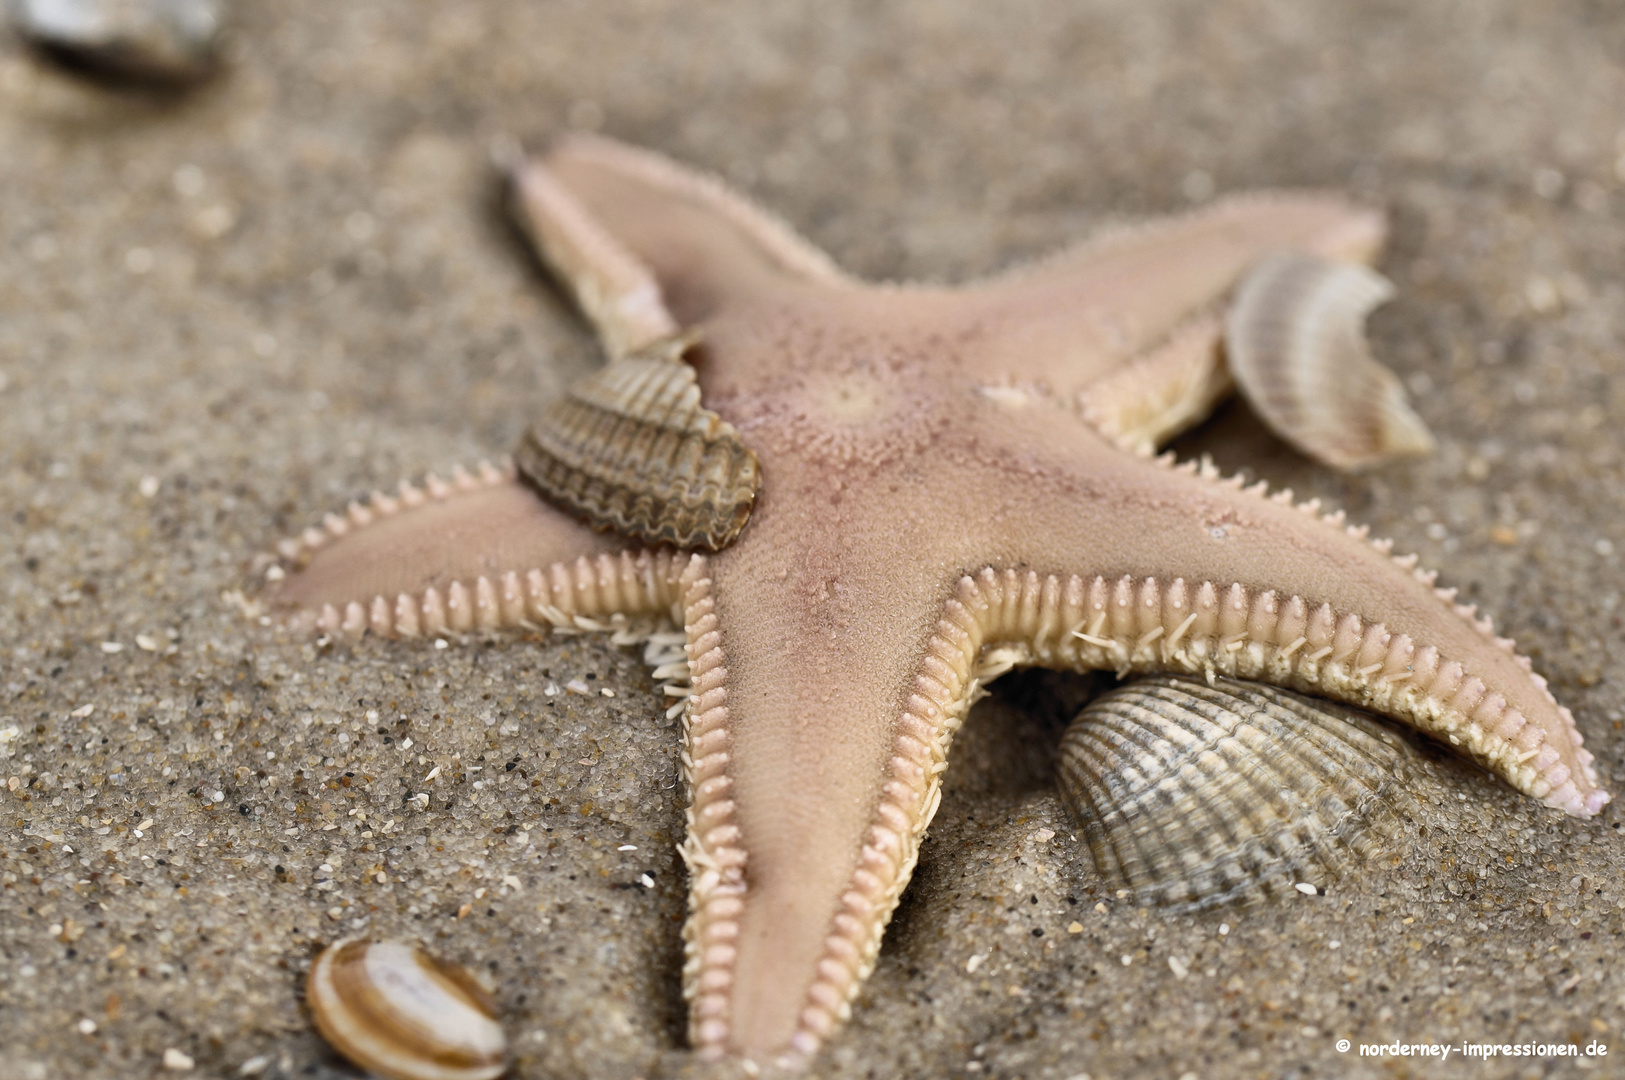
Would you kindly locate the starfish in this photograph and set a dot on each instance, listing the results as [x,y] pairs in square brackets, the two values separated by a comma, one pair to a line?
[945,470]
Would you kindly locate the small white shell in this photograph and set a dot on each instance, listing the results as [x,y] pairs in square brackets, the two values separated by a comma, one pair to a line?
[394,1010]
[1194,795]
[1295,342]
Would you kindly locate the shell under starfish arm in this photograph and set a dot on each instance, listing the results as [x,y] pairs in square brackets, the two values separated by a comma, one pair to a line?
[1194,793]
[1294,345]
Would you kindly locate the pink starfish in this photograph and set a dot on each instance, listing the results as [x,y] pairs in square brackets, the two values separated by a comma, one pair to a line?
[943,470]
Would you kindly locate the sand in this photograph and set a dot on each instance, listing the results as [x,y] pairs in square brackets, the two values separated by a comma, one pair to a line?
[226,311]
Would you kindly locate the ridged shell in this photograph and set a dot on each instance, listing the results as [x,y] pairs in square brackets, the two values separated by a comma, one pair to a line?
[631,448]
[163,40]
[1295,342]
[1193,796]
[392,1009]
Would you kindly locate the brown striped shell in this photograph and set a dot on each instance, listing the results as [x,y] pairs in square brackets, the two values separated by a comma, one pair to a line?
[392,1009]
[630,448]
[1194,795]
[1295,343]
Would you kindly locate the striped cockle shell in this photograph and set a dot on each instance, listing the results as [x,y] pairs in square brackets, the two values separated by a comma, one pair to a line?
[394,1010]
[1295,342]
[631,448]
[1194,795]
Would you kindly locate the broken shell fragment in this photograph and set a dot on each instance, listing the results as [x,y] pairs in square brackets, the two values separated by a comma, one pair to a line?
[1195,795]
[394,1010]
[630,448]
[160,40]
[1295,342]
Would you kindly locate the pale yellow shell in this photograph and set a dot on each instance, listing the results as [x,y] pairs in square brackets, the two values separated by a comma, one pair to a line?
[1195,795]
[630,448]
[392,1009]
[1295,343]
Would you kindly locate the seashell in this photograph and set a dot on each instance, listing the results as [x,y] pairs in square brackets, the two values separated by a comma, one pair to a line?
[1195,795]
[1295,341]
[631,448]
[394,1010]
[159,40]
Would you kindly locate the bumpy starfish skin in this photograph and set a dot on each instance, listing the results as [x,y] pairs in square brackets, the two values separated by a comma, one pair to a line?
[945,469]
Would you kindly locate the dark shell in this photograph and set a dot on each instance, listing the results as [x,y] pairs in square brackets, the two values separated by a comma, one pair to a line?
[1194,795]
[1295,342]
[630,448]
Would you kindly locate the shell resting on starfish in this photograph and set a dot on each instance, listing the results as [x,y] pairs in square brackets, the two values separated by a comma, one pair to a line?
[1195,795]
[630,448]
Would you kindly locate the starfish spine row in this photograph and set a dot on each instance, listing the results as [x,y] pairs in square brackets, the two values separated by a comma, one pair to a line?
[572,596]
[298,549]
[1200,627]
[713,850]
[1338,519]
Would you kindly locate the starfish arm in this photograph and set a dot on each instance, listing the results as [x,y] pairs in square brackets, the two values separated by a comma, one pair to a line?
[1293,343]
[706,246]
[1080,314]
[1205,575]
[613,288]
[478,552]
[1154,397]
[830,739]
